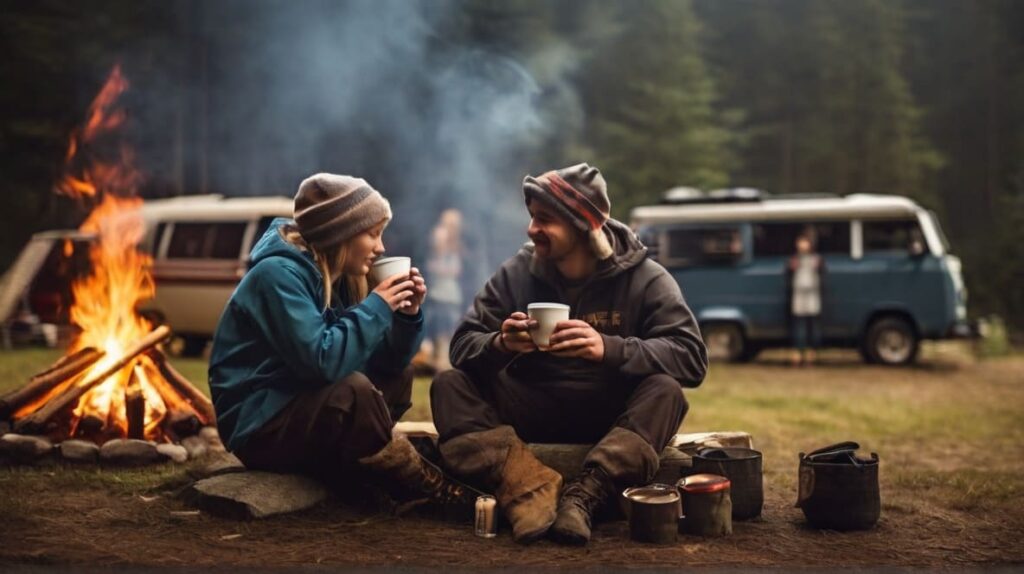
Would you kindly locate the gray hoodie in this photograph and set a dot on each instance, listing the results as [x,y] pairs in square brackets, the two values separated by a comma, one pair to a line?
[631,300]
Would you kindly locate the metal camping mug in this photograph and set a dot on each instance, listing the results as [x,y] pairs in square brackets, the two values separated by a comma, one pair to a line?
[654,512]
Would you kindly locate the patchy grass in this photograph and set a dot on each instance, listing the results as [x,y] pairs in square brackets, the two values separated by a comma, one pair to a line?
[948,433]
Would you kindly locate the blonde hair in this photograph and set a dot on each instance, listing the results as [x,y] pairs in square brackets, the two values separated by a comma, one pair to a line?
[328,262]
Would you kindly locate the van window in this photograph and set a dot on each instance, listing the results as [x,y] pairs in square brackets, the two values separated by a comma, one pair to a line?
[714,246]
[894,235]
[206,240]
[779,239]
[261,227]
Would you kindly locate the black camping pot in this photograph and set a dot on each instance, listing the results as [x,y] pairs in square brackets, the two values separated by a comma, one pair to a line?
[654,512]
[838,489]
[743,468]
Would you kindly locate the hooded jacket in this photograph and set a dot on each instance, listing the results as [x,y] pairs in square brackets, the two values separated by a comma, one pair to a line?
[632,301]
[275,340]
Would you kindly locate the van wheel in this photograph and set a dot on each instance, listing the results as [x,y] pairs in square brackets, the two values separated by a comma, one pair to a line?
[187,346]
[891,341]
[725,342]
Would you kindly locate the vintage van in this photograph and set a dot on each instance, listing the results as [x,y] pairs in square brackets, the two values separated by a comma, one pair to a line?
[200,247]
[890,279]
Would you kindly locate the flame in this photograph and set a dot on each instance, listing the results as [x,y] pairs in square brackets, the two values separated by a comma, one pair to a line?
[105,302]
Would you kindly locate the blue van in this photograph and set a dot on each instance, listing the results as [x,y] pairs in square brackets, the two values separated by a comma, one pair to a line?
[890,281]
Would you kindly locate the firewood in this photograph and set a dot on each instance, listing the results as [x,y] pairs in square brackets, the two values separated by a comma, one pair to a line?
[195,397]
[39,418]
[65,368]
[135,405]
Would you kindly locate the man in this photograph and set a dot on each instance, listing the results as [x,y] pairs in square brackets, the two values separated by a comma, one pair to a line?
[611,375]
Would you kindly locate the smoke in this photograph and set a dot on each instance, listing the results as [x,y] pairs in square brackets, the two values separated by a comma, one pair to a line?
[373,88]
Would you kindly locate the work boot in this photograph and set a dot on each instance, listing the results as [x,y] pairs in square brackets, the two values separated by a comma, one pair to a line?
[526,490]
[580,501]
[411,480]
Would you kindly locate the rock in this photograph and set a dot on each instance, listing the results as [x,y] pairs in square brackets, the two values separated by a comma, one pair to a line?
[76,450]
[174,452]
[246,495]
[212,438]
[25,448]
[690,442]
[129,452]
[195,446]
[216,464]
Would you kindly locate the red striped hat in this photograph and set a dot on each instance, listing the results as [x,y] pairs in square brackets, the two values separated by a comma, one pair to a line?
[580,195]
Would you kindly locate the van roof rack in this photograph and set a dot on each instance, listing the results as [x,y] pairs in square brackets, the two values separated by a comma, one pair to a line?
[692,196]
[811,195]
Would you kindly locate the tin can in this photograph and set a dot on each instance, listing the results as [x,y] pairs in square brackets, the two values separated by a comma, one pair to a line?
[486,524]
[707,507]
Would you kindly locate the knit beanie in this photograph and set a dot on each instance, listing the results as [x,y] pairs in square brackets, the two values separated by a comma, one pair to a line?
[330,209]
[580,195]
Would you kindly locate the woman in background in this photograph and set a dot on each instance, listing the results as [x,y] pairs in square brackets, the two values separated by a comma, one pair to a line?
[805,274]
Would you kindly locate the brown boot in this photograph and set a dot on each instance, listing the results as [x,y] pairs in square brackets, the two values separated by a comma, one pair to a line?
[527,491]
[411,480]
[580,500]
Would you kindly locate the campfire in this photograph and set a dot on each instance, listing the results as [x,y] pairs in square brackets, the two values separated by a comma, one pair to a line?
[114,382]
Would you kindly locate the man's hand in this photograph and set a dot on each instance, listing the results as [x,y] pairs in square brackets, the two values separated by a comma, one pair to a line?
[575,338]
[419,293]
[515,334]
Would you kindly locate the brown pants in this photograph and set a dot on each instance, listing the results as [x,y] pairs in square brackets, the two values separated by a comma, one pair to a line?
[325,431]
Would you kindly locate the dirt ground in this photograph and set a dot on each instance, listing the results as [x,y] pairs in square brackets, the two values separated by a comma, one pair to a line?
[948,433]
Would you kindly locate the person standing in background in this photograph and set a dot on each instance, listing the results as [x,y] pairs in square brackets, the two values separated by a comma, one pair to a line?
[805,273]
[444,267]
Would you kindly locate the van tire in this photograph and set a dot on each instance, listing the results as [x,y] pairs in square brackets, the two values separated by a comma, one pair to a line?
[187,346]
[891,341]
[725,342]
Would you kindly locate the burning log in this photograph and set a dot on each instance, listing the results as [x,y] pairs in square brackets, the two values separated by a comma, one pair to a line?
[65,368]
[38,419]
[197,400]
[135,406]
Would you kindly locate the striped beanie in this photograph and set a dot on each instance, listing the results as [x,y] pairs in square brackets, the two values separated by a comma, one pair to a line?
[330,209]
[580,195]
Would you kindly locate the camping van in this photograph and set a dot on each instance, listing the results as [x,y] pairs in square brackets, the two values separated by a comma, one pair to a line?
[890,280]
[200,247]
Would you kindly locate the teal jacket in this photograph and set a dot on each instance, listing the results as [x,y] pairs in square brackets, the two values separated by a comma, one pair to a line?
[274,339]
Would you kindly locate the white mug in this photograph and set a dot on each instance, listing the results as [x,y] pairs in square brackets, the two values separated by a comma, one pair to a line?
[388,266]
[547,316]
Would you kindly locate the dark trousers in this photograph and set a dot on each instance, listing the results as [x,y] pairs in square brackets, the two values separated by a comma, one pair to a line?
[579,412]
[325,431]
[807,331]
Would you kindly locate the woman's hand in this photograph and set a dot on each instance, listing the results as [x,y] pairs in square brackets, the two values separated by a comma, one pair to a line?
[515,334]
[397,291]
[419,293]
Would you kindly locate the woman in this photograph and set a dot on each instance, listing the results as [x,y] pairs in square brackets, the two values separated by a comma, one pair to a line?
[805,279]
[309,369]
[444,268]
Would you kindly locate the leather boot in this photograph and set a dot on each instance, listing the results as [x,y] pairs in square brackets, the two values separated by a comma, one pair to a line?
[411,480]
[580,500]
[526,489]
